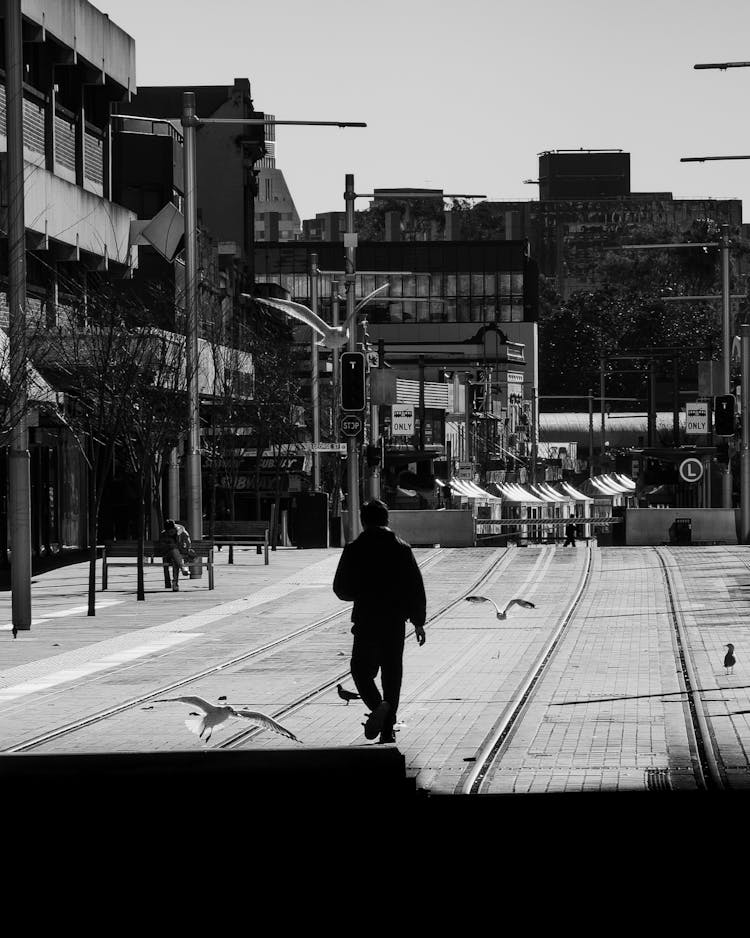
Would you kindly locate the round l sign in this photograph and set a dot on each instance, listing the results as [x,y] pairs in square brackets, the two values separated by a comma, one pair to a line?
[691,469]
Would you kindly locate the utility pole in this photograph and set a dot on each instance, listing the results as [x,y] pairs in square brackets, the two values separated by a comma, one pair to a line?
[745,457]
[314,373]
[745,453]
[19,461]
[193,456]
[591,433]
[352,444]
[726,353]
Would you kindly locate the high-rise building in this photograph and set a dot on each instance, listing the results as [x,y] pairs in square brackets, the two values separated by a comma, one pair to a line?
[276,217]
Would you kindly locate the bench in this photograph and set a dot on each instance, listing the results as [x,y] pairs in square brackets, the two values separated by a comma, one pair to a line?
[125,554]
[233,534]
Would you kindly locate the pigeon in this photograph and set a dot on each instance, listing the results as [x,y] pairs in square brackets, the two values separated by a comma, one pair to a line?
[729,659]
[501,615]
[347,695]
[210,717]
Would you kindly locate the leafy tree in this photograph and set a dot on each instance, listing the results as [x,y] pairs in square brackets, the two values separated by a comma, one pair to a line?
[628,313]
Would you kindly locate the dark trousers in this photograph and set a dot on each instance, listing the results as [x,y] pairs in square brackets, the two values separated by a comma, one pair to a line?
[379,651]
[569,540]
[173,559]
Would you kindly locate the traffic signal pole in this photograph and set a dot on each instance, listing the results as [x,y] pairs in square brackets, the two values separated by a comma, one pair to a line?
[315,389]
[745,458]
[19,458]
[352,444]
[726,352]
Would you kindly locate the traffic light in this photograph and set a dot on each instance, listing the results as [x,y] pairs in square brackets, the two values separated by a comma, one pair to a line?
[724,415]
[373,455]
[353,381]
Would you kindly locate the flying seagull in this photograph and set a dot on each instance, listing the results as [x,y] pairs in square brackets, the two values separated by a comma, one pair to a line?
[210,717]
[729,659]
[504,614]
[347,695]
[333,336]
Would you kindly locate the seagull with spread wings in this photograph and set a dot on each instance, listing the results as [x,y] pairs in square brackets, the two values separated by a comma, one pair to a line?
[211,717]
[504,614]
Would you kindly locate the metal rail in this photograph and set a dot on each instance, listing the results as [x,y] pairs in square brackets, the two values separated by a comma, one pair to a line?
[101,715]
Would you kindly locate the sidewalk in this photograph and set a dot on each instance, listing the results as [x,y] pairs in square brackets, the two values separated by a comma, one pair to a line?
[59,598]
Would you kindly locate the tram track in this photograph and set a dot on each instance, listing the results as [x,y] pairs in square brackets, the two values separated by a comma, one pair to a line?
[100,716]
[707,771]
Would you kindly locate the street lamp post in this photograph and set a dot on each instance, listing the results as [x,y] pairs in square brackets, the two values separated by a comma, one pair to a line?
[352,445]
[745,458]
[190,121]
[19,459]
[315,392]
[193,482]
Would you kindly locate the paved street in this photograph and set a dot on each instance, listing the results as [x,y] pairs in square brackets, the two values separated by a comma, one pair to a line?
[608,711]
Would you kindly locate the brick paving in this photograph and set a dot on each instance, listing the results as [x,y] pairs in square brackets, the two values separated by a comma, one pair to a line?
[608,714]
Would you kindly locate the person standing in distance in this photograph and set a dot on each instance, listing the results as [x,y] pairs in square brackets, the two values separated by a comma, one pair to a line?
[570,534]
[379,573]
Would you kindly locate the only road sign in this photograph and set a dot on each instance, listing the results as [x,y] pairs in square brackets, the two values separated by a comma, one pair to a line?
[691,469]
[351,425]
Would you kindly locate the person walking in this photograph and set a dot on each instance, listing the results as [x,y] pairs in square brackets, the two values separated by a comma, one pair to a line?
[570,534]
[379,574]
[175,545]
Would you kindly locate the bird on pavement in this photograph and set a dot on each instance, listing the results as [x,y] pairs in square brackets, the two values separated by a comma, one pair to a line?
[729,659]
[504,614]
[211,717]
[346,695]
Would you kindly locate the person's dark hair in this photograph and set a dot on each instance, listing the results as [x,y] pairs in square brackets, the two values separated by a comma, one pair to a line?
[169,523]
[374,514]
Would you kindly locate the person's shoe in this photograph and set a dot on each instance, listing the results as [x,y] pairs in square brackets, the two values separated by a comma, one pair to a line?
[175,588]
[376,719]
[387,736]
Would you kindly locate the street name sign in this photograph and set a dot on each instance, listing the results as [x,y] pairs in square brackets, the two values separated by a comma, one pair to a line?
[402,419]
[327,448]
[351,425]
[696,418]
[691,469]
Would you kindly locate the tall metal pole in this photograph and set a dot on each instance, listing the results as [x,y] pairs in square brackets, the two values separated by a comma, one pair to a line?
[745,457]
[602,362]
[19,462]
[534,432]
[591,432]
[193,457]
[314,371]
[352,452]
[726,351]
[335,320]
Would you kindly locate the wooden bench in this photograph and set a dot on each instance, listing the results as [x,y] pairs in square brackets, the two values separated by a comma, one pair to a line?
[125,554]
[233,534]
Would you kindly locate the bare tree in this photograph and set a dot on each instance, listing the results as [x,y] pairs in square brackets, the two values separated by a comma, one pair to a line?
[93,355]
[156,421]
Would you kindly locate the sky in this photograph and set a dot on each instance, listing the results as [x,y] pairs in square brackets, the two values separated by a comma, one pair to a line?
[464,96]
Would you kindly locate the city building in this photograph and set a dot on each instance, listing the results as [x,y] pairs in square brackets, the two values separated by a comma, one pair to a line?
[77,64]
[276,217]
[227,156]
[457,326]
[585,206]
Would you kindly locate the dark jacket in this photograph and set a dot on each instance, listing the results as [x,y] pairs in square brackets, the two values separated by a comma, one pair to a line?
[379,573]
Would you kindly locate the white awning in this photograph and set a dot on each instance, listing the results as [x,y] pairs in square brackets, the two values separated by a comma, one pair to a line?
[513,492]
[605,488]
[624,480]
[553,493]
[545,496]
[574,493]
